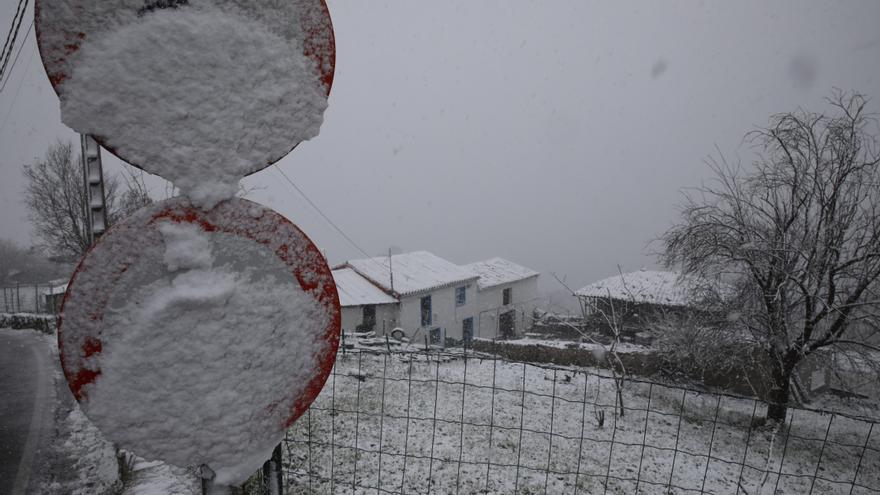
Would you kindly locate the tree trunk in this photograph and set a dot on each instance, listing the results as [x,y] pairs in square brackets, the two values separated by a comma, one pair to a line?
[780,388]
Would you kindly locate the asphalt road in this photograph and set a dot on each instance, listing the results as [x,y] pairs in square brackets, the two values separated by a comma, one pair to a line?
[26,406]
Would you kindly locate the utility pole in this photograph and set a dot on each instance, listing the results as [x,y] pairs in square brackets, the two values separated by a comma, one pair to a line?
[391,270]
[93,179]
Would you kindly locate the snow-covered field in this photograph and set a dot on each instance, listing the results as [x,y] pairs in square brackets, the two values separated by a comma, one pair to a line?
[415,424]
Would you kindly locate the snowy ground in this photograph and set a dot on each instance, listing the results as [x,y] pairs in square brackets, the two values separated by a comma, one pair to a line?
[621,348]
[408,424]
[158,478]
[75,459]
[96,468]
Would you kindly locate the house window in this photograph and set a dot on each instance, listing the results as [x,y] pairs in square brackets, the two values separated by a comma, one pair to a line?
[460,296]
[467,329]
[506,297]
[436,336]
[426,311]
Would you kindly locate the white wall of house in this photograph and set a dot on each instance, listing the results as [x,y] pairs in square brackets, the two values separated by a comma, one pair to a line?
[445,313]
[490,307]
[484,306]
[387,316]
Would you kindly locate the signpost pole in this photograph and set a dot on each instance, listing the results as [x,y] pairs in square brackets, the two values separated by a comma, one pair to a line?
[274,481]
[207,477]
[318,44]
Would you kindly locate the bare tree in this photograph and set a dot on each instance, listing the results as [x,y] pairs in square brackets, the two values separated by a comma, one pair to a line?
[613,321]
[136,194]
[798,236]
[56,199]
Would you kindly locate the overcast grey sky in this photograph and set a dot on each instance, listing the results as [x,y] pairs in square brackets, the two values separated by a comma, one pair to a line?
[557,134]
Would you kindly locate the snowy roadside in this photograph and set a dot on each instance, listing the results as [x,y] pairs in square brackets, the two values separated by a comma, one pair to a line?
[96,468]
[76,460]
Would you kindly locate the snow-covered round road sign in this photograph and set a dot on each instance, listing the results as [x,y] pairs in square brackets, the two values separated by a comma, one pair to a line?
[197,337]
[190,90]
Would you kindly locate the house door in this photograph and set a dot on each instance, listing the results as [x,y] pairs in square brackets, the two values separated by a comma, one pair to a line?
[467,329]
[507,324]
[369,321]
[436,336]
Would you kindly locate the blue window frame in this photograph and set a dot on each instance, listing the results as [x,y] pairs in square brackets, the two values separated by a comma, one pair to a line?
[461,296]
[426,311]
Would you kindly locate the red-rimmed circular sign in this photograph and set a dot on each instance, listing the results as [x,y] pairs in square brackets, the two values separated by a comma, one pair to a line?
[228,76]
[197,337]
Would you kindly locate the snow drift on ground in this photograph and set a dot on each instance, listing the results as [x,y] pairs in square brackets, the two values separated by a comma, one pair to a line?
[97,470]
[199,95]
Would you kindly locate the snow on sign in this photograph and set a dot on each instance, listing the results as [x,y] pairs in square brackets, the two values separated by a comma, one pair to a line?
[200,92]
[198,336]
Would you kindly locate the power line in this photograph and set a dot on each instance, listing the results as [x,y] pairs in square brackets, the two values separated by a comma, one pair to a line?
[325,217]
[11,67]
[18,89]
[13,34]
[18,10]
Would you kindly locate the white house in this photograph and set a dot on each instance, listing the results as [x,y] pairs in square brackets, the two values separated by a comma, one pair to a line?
[507,295]
[365,307]
[436,298]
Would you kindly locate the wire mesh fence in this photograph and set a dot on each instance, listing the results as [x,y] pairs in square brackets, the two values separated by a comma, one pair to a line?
[450,422]
[27,299]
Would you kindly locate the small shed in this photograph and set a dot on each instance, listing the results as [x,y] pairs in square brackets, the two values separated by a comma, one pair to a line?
[54,295]
[636,296]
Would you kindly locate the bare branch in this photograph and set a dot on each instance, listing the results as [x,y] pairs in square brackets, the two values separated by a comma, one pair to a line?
[56,200]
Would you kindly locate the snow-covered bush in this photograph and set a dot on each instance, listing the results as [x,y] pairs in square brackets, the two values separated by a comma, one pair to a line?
[43,323]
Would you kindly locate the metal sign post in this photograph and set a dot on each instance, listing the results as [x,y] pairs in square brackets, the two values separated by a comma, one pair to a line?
[93,181]
[126,259]
[62,30]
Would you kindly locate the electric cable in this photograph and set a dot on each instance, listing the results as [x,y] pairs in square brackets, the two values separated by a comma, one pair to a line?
[11,67]
[10,41]
[325,217]
[18,10]
[17,90]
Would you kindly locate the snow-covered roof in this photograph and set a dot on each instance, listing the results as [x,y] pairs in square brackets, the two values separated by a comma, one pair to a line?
[653,287]
[414,272]
[55,290]
[497,271]
[355,290]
